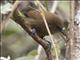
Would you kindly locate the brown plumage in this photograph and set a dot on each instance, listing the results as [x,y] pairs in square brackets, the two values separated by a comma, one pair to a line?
[34,19]
[55,23]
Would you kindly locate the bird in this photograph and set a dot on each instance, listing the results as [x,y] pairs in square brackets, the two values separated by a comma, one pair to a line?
[35,20]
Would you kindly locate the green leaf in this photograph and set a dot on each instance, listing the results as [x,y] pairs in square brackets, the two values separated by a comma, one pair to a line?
[21,14]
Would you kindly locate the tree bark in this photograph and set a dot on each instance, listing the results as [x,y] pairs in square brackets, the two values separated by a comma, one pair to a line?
[73,50]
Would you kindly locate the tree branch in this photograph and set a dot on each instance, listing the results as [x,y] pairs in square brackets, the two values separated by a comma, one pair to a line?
[42,42]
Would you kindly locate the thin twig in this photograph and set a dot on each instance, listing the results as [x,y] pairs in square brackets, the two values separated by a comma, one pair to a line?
[47,27]
[54,6]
